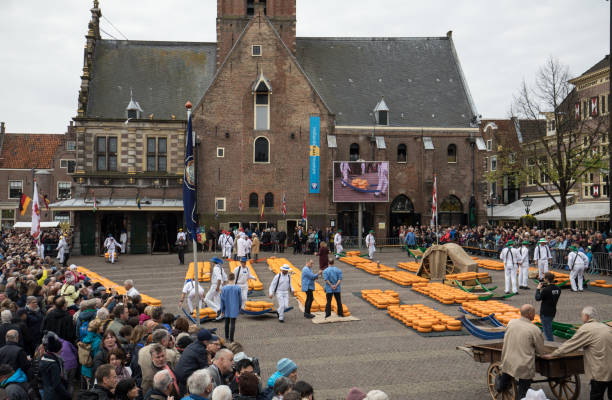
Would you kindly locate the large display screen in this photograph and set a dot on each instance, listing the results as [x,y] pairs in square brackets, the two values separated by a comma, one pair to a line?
[361,181]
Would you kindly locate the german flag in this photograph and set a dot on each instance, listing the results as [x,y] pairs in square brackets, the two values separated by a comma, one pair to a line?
[24,203]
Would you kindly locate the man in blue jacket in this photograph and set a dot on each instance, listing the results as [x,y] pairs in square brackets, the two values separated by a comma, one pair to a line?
[231,303]
[194,357]
[333,277]
[308,286]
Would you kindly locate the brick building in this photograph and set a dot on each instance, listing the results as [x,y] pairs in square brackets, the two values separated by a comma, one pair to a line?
[403,100]
[25,156]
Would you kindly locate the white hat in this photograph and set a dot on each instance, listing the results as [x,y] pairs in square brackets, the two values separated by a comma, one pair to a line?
[72,267]
[285,267]
[241,356]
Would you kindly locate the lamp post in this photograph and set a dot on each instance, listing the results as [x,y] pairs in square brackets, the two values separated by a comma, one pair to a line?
[527,202]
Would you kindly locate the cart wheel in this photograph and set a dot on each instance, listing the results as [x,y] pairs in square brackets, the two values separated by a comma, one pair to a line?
[508,394]
[567,388]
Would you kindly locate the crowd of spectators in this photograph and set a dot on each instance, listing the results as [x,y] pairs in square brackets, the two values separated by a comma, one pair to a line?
[63,336]
[494,238]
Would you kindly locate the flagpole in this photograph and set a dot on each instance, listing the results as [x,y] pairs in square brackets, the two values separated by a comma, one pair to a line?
[196,268]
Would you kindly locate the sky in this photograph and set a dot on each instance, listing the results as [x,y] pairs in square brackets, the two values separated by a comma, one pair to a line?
[500,43]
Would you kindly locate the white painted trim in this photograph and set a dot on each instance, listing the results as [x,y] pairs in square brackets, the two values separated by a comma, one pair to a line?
[260,50]
[8,194]
[222,151]
[255,105]
[404,128]
[57,196]
[224,204]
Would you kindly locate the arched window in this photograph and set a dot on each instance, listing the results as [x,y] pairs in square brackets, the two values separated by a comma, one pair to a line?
[451,204]
[253,200]
[451,153]
[261,151]
[401,153]
[354,152]
[269,200]
[402,204]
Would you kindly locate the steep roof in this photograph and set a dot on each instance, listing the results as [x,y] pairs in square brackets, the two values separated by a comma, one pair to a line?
[530,130]
[28,150]
[161,75]
[603,63]
[420,79]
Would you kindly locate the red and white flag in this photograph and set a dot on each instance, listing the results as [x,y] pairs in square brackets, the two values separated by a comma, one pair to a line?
[594,106]
[434,204]
[304,216]
[35,230]
[284,206]
[240,203]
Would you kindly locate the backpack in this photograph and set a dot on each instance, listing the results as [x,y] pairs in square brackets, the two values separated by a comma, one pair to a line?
[84,351]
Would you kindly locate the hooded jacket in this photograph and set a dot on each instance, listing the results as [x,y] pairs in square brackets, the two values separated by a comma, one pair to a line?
[13,386]
[97,393]
[60,322]
[50,371]
[84,316]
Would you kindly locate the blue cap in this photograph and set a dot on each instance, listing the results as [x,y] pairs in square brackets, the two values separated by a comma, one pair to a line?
[216,260]
[204,334]
[243,259]
[285,366]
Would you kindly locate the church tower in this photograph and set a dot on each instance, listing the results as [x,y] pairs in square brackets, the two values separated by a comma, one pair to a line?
[234,15]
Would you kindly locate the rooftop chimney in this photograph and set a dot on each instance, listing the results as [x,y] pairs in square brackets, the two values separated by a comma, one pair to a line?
[2,127]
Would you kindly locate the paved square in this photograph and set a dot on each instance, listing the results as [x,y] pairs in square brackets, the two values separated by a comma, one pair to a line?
[376,352]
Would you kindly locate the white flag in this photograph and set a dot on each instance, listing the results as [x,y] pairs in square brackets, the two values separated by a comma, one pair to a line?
[35,230]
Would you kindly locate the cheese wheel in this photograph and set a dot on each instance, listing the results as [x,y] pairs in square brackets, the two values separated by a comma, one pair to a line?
[424,330]
[453,328]
[453,323]
[438,328]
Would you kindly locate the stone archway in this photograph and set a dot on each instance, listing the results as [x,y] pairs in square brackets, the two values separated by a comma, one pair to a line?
[402,212]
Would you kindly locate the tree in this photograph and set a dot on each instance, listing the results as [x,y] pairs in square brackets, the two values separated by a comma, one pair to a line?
[566,144]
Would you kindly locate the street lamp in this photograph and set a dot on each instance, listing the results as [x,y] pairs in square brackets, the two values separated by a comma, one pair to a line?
[527,202]
[491,202]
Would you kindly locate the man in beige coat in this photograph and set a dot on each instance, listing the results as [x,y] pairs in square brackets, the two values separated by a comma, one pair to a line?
[595,338]
[522,341]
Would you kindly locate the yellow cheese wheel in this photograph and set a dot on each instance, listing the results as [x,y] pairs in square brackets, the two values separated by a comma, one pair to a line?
[424,330]
[438,327]
[453,328]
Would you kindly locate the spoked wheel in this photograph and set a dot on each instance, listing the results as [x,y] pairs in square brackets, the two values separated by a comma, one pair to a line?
[425,272]
[567,388]
[450,267]
[508,394]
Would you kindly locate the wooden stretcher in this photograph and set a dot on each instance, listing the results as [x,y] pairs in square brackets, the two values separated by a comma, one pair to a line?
[266,311]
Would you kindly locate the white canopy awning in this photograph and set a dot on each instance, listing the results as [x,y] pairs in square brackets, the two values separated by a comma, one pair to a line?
[106,204]
[516,210]
[28,225]
[588,211]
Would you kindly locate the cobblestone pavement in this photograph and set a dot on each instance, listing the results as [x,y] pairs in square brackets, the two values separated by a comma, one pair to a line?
[376,352]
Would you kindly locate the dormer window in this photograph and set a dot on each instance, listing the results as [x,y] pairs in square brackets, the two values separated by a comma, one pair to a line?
[133,109]
[261,97]
[381,112]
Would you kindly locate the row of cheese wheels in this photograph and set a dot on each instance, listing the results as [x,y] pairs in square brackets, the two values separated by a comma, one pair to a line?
[373,268]
[489,264]
[380,299]
[443,293]
[108,284]
[204,269]
[319,298]
[423,319]
[205,312]
[411,266]
[504,313]
[403,278]
[601,283]
[258,305]
[464,276]
[352,253]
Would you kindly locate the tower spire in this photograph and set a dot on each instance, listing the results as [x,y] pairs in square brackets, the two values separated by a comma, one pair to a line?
[91,38]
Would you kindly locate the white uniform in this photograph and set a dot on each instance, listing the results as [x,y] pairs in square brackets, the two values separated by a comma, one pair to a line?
[577,263]
[181,236]
[281,286]
[40,249]
[363,168]
[542,254]
[111,245]
[383,179]
[370,243]
[213,298]
[338,244]
[62,249]
[523,266]
[123,240]
[132,292]
[249,246]
[242,279]
[189,288]
[345,169]
[510,257]
[226,242]
[241,246]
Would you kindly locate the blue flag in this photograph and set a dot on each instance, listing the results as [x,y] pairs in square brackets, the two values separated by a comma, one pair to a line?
[189,186]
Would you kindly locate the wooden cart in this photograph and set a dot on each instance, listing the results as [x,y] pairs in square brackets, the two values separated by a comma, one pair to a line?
[561,373]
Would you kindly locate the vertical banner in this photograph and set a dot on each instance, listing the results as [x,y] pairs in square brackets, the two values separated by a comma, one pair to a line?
[315,130]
